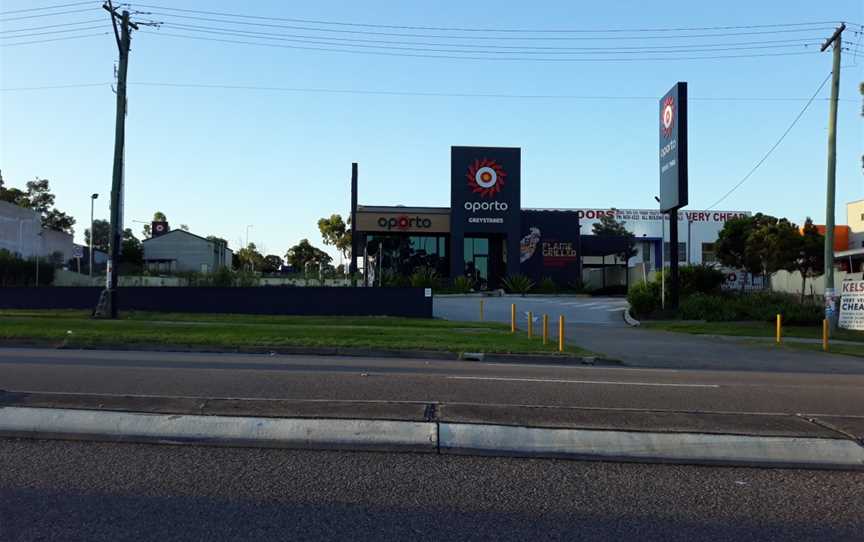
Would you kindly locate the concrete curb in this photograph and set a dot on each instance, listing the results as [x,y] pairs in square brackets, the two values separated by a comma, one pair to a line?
[382,435]
[433,437]
[632,322]
[697,448]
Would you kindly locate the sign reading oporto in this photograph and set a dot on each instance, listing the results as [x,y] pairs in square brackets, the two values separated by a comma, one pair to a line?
[673,148]
[852,305]
[484,189]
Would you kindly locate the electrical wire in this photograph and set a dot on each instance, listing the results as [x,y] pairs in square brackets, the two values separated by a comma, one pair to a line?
[3,45]
[43,8]
[463,57]
[89,21]
[476,29]
[771,150]
[51,32]
[768,44]
[45,15]
[543,38]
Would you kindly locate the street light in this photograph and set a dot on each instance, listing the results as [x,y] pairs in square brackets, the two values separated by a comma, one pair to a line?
[662,255]
[92,232]
[247,234]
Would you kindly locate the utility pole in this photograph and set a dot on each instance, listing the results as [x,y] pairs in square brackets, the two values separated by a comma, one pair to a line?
[830,294]
[107,307]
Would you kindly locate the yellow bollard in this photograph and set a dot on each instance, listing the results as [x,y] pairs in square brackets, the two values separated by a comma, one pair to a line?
[561,333]
[513,318]
[825,334]
[545,329]
[779,329]
[530,324]
[481,310]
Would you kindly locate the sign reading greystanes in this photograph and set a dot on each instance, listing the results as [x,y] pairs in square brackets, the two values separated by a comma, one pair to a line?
[673,148]
[484,189]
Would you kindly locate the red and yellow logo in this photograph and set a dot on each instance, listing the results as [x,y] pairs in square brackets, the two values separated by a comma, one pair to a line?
[667,116]
[485,177]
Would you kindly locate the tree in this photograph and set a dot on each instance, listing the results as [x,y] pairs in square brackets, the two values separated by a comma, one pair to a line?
[146,231]
[184,227]
[731,246]
[249,258]
[272,263]
[773,245]
[810,261]
[131,249]
[39,198]
[610,227]
[102,230]
[159,216]
[336,233]
[303,252]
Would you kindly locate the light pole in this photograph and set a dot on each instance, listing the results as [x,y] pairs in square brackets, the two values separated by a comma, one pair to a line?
[92,232]
[250,264]
[662,257]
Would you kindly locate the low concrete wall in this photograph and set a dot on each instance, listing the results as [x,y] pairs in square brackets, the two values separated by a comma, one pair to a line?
[410,302]
[790,283]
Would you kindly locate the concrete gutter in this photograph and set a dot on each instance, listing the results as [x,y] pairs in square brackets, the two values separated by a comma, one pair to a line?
[430,435]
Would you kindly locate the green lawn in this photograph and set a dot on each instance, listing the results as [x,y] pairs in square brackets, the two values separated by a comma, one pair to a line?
[749,329]
[75,328]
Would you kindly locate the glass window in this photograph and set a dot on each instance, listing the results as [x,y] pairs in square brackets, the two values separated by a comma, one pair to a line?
[682,252]
[708,253]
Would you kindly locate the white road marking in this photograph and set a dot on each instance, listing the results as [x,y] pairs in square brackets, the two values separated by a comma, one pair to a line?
[563,381]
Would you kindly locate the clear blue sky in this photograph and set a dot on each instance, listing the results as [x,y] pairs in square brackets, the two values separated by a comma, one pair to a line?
[219,159]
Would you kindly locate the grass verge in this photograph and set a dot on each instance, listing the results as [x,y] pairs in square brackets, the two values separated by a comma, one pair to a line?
[228,331]
[749,329]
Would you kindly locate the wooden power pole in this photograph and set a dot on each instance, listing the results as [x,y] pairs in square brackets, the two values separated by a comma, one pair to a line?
[830,302]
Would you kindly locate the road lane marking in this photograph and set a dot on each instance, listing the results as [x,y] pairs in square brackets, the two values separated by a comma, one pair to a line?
[565,381]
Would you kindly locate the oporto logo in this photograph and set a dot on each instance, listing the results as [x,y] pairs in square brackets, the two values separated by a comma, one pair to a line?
[404,222]
[667,116]
[486,177]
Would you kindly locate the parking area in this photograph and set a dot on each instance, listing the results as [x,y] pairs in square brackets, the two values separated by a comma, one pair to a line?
[605,311]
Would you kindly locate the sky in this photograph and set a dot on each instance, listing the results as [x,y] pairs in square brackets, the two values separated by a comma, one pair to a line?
[220,159]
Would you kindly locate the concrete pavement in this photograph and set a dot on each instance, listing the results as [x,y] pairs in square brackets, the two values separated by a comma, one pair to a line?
[598,325]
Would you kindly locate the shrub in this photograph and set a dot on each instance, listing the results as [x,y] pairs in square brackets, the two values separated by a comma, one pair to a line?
[462,284]
[644,298]
[548,286]
[713,308]
[425,277]
[698,279]
[518,284]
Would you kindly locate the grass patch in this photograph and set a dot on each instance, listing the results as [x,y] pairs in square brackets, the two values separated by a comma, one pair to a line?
[75,328]
[834,348]
[749,329]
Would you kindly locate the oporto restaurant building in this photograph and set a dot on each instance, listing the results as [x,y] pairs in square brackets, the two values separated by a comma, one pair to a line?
[486,235]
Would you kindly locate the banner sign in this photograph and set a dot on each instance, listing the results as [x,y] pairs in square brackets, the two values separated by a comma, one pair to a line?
[673,148]
[653,215]
[484,189]
[852,305]
[549,246]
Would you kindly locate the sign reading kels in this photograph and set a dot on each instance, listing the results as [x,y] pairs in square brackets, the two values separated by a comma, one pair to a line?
[484,190]
[852,305]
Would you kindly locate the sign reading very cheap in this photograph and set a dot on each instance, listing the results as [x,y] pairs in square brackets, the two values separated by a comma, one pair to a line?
[852,305]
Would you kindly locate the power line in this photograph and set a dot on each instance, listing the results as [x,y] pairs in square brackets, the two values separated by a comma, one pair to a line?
[45,15]
[543,38]
[777,144]
[51,32]
[55,6]
[54,87]
[89,21]
[463,57]
[301,38]
[3,45]
[480,29]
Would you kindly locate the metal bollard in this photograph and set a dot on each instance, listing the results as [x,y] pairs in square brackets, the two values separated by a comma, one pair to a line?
[545,329]
[513,318]
[779,329]
[481,310]
[825,329]
[530,324]
[561,333]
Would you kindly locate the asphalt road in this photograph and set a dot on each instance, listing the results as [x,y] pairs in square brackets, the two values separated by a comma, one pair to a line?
[52,490]
[345,378]
[597,323]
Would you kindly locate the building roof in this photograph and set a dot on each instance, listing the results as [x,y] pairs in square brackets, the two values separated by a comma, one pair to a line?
[848,253]
[11,210]
[403,209]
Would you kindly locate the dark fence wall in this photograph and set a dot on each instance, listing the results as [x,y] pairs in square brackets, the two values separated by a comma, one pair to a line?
[410,302]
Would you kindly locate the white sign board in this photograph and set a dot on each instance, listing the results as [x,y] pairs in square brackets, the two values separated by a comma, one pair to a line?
[852,305]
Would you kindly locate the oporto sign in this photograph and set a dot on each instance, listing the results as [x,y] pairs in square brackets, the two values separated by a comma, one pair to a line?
[485,187]
[404,222]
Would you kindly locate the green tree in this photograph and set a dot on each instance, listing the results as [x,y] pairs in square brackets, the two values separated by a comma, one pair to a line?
[731,245]
[335,232]
[774,243]
[810,261]
[272,263]
[248,258]
[131,249]
[39,198]
[159,216]
[608,226]
[101,232]
[303,252]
